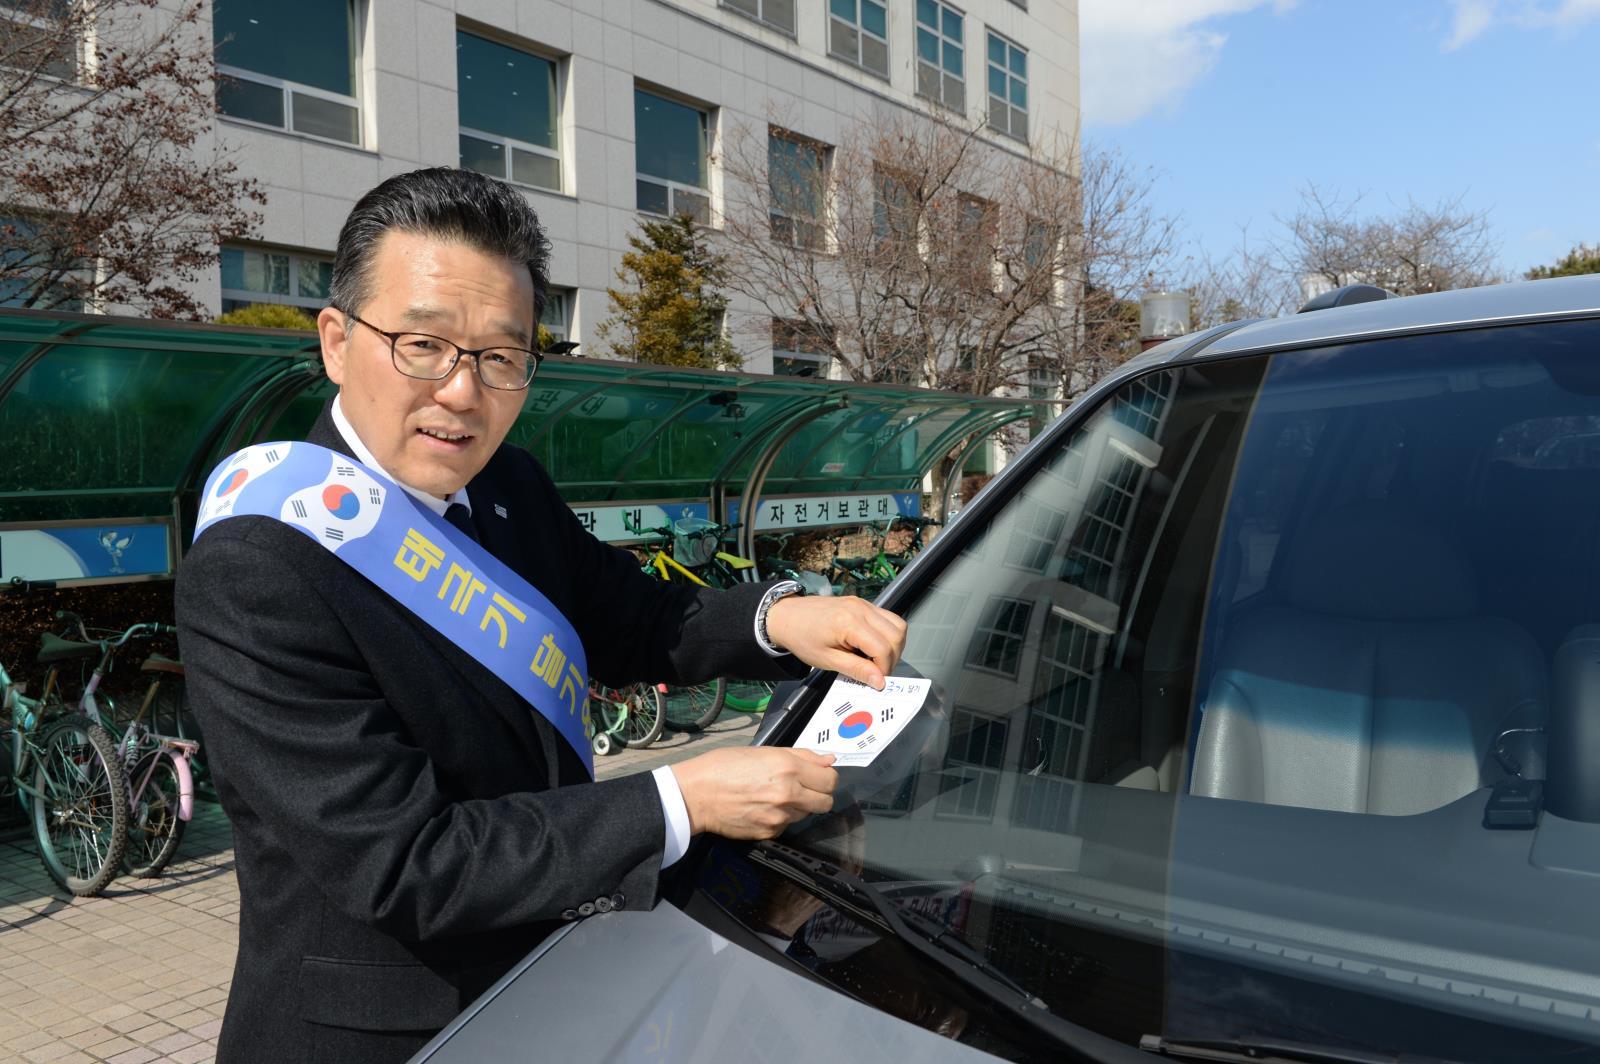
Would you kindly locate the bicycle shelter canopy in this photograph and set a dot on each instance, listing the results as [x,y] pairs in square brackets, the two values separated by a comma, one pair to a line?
[111,419]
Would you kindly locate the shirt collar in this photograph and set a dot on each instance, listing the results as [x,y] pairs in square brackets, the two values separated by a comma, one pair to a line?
[364,456]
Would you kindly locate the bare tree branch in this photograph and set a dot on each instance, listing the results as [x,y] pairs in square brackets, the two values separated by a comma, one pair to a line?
[111,194]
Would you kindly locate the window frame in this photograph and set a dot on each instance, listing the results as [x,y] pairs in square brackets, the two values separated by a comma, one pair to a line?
[858,28]
[943,42]
[288,89]
[566,298]
[761,18]
[707,145]
[783,330]
[248,296]
[973,772]
[986,636]
[989,67]
[506,143]
[818,240]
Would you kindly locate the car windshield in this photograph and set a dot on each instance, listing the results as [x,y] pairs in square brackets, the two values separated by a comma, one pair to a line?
[1244,696]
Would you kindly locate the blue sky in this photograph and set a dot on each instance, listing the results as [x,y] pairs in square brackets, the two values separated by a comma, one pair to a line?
[1237,104]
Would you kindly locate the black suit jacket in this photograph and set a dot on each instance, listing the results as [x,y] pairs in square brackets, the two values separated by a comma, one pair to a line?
[405,826]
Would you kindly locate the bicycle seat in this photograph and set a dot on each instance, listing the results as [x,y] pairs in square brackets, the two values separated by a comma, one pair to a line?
[53,648]
[158,663]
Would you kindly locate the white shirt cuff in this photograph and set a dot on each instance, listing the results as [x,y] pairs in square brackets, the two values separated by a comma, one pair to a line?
[675,813]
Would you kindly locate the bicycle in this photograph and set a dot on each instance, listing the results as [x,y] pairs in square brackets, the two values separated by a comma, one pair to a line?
[78,798]
[696,549]
[868,576]
[776,566]
[631,716]
[160,781]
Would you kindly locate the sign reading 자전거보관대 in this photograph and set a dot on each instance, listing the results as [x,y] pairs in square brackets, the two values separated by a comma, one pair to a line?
[120,548]
[821,511]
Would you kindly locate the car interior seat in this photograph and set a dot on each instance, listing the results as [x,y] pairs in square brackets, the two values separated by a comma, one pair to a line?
[1364,679]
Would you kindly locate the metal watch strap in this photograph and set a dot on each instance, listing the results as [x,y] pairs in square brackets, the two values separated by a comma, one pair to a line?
[781,590]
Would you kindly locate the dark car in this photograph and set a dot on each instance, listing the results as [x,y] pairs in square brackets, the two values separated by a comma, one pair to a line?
[1264,725]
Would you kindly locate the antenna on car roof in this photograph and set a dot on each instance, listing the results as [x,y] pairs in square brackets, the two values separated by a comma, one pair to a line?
[1346,296]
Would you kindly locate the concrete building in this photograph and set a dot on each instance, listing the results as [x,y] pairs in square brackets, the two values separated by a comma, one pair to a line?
[601,111]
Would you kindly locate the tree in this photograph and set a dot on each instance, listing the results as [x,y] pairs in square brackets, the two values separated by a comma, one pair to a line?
[1328,243]
[114,191]
[917,251]
[1416,249]
[269,316]
[1244,283]
[1581,259]
[672,310]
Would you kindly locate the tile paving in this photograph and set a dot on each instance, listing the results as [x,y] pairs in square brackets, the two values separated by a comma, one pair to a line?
[141,974]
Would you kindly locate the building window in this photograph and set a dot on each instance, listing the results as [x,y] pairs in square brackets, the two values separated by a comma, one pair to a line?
[894,209]
[1008,87]
[972,765]
[35,270]
[508,112]
[307,86]
[928,644]
[37,35]
[1034,537]
[252,275]
[779,14]
[797,351]
[941,56]
[672,142]
[858,32]
[797,180]
[997,639]
[557,315]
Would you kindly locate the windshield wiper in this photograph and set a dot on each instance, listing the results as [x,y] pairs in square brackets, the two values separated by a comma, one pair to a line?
[933,942]
[1268,1051]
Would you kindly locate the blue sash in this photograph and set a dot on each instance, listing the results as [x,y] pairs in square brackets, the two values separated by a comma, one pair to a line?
[421,561]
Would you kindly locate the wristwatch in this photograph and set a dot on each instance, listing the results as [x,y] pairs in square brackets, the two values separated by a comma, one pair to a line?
[781,590]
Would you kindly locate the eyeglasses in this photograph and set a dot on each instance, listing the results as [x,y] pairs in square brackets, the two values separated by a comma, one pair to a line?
[433,358]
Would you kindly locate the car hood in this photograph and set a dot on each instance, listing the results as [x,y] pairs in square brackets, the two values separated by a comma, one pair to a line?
[658,986]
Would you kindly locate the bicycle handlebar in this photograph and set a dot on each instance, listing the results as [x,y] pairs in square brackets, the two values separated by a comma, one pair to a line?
[21,586]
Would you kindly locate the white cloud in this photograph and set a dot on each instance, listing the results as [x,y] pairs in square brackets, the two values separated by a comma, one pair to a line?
[1470,18]
[1142,55]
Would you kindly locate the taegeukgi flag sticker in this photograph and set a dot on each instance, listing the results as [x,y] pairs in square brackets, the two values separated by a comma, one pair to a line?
[855,724]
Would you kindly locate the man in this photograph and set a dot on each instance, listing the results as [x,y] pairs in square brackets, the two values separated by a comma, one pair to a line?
[406,826]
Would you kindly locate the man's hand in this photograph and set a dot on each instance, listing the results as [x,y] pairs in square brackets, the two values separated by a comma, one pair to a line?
[829,631]
[756,792]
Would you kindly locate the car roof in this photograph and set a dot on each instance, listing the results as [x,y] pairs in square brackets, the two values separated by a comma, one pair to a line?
[1558,297]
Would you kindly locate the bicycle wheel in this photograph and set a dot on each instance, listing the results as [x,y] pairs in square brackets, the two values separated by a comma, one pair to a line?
[154,827]
[751,696]
[694,708]
[81,824]
[631,715]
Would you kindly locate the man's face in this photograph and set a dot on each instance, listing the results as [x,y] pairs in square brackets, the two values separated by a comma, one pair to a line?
[448,289]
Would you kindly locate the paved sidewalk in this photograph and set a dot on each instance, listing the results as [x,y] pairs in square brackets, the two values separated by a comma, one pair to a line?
[141,974]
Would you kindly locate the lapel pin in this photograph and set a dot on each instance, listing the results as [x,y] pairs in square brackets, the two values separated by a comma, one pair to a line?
[500,511]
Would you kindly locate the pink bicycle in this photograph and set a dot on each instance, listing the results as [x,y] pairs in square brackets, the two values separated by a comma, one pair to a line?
[160,779]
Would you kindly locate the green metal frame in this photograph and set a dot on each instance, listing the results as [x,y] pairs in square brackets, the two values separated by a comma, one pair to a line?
[234,409]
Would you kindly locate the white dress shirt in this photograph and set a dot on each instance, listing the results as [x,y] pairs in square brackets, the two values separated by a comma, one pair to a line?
[673,809]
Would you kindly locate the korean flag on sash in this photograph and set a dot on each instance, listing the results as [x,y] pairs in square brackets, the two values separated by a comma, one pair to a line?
[342,508]
[227,484]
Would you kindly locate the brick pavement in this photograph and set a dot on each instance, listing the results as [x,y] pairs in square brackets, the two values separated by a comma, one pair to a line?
[141,974]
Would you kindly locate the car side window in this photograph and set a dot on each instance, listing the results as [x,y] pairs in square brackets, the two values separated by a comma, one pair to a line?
[1062,633]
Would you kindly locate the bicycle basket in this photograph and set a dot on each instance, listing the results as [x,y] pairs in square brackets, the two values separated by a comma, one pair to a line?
[694,541]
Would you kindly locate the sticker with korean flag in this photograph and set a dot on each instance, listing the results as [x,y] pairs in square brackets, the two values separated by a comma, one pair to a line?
[856,724]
